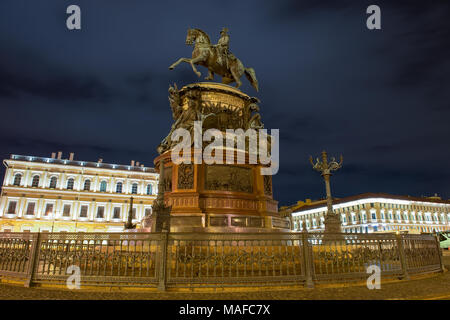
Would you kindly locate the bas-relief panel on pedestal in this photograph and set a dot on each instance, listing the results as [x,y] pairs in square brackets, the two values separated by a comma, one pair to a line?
[185,176]
[228,178]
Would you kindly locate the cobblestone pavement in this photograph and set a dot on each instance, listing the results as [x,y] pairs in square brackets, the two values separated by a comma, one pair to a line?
[435,287]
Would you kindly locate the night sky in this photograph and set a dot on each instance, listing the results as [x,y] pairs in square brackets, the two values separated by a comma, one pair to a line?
[381,98]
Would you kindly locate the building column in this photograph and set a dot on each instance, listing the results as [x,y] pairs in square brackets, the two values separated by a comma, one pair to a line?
[57,212]
[78,182]
[75,209]
[124,212]
[21,205]
[7,180]
[111,185]
[94,186]
[127,186]
[108,211]
[61,180]
[26,180]
[40,204]
[91,214]
[2,205]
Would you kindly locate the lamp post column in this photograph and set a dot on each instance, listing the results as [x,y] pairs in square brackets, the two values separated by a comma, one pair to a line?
[332,221]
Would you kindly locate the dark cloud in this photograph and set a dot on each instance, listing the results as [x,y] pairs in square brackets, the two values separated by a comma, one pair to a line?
[380,98]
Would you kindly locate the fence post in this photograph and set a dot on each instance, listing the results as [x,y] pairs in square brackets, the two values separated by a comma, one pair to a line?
[401,251]
[439,251]
[33,257]
[163,261]
[309,283]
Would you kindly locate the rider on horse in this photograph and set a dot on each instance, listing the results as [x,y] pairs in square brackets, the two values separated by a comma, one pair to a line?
[223,46]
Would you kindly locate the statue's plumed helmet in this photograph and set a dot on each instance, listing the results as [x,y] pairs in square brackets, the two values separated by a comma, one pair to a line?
[224,30]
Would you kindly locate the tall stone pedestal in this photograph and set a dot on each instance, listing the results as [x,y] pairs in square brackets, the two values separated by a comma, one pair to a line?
[216,197]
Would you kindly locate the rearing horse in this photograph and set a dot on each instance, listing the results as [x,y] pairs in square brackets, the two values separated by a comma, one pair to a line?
[207,55]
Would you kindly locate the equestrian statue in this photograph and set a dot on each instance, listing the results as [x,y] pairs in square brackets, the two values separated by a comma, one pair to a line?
[217,58]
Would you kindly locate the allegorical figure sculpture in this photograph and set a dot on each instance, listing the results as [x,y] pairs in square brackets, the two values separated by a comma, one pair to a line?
[217,58]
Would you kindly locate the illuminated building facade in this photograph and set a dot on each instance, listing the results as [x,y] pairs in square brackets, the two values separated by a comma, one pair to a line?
[378,212]
[66,195]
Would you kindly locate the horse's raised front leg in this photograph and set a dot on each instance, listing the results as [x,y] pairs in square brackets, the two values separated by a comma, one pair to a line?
[179,61]
[194,61]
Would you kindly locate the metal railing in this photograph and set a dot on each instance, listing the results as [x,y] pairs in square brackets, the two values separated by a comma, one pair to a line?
[164,259]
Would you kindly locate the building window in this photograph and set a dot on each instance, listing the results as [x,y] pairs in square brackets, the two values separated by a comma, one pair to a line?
[12,207]
[134,188]
[382,215]
[35,181]
[83,211]
[87,185]
[53,182]
[116,213]
[30,208]
[70,183]
[48,209]
[100,212]
[66,210]
[119,187]
[148,212]
[17,179]
[374,216]
[149,189]
[103,186]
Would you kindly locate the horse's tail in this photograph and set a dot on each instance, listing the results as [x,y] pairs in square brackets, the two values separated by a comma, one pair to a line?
[251,76]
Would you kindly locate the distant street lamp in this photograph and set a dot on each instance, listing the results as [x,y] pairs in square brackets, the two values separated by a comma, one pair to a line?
[129,224]
[332,221]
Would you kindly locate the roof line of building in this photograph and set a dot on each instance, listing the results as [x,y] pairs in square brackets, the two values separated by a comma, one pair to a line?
[373,195]
[84,164]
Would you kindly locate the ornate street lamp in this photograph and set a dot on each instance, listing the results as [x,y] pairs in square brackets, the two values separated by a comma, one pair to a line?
[332,220]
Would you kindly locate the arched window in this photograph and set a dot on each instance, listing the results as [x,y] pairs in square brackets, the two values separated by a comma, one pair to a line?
[119,187]
[103,186]
[53,181]
[70,184]
[134,188]
[87,185]
[35,181]
[149,189]
[17,179]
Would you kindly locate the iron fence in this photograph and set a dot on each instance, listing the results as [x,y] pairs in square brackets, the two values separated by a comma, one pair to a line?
[213,259]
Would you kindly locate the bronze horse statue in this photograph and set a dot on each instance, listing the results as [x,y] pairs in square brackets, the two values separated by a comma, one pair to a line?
[206,54]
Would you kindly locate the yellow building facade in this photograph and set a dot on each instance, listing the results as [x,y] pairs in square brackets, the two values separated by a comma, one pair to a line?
[377,212]
[65,195]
